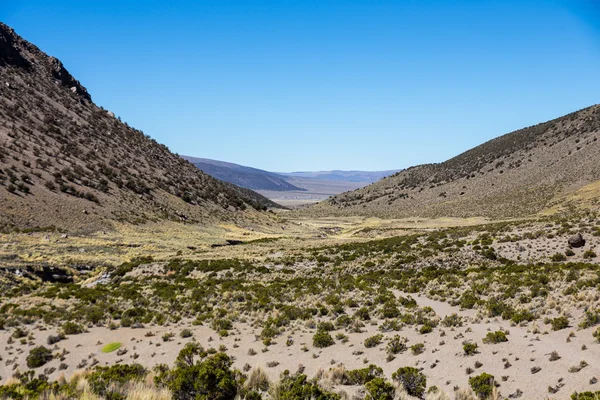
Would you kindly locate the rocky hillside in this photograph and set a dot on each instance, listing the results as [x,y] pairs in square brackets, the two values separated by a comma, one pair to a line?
[251,178]
[514,175]
[67,163]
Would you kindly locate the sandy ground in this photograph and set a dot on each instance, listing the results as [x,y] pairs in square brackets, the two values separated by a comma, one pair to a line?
[443,361]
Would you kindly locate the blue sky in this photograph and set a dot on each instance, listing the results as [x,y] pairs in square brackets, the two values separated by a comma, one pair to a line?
[316,85]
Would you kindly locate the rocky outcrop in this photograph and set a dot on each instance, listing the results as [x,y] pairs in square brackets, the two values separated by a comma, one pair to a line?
[9,53]
[16,52]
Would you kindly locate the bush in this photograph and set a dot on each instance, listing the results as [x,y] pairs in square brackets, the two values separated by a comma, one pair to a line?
[363,375]
[396,345]
[558,257]
[105,381]
[71,328]
[470,348]
[586,396]
[453,320]
[373,341]
[482,385]
[413,381]
[211,378]
[186,333]
[38,357]
[322,339]
[559,323]
[417,349]
[495,337]
[293,387]
[425,329]
[379,389]
[589,254]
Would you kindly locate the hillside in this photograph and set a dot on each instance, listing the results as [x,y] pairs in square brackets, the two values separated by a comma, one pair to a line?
[67,163]
[251,178]
[514,175]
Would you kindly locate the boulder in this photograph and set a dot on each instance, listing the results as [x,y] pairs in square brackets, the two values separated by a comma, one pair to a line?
[576,240]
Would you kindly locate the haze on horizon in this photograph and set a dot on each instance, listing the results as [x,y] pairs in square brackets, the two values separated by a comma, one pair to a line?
[311,86]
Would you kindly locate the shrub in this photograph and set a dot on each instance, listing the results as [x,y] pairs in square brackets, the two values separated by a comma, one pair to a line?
[292,387]
[211,378]
[586,396]
[373,341]
[482,385]
[559,323]
[413,381]
[453,320]
[322,339]
[105,381]
[470,348]
[38,357]
[417,349]
[379,389]
[425,329]
[363,314]
[495,337]
[363,375]
[71,328]
[558,257]
[396,345]
[186,333]
[589,254]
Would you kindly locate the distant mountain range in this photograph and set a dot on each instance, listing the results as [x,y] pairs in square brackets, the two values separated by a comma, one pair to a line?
[257,179]
[251,178]
[344,176]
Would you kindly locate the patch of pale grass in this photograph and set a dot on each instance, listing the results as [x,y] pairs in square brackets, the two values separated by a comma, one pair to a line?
[258,380]
[141,391]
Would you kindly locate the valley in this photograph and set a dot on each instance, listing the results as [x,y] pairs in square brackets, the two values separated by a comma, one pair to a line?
[128,272]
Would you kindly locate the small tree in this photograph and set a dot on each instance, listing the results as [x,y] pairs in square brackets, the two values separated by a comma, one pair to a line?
[482,385]
[379,389]
[322,339]
[38,357]
[413,381]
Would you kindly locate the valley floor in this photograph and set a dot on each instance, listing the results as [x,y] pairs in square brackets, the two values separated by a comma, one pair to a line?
[392,293]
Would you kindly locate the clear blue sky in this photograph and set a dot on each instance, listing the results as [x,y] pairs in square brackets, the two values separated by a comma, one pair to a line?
[314,85]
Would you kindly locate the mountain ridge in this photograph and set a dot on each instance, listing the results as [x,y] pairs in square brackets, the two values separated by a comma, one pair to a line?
[67,163]
[514,175]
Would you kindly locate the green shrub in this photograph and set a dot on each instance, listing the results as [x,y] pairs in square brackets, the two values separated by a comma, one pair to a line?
[591,319]
[363,375]
[425,329]
[413,381]
[396,345]
[38,357]
[211,378]
[373,341]
[453,320]
[363,314]
[559,323]
[482,385]
[558,257]
[322,339]
[106,381]
[495,337]
[379,389]
[292,387]
[417,349]
[589,254]
[470,348]
[586,396]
